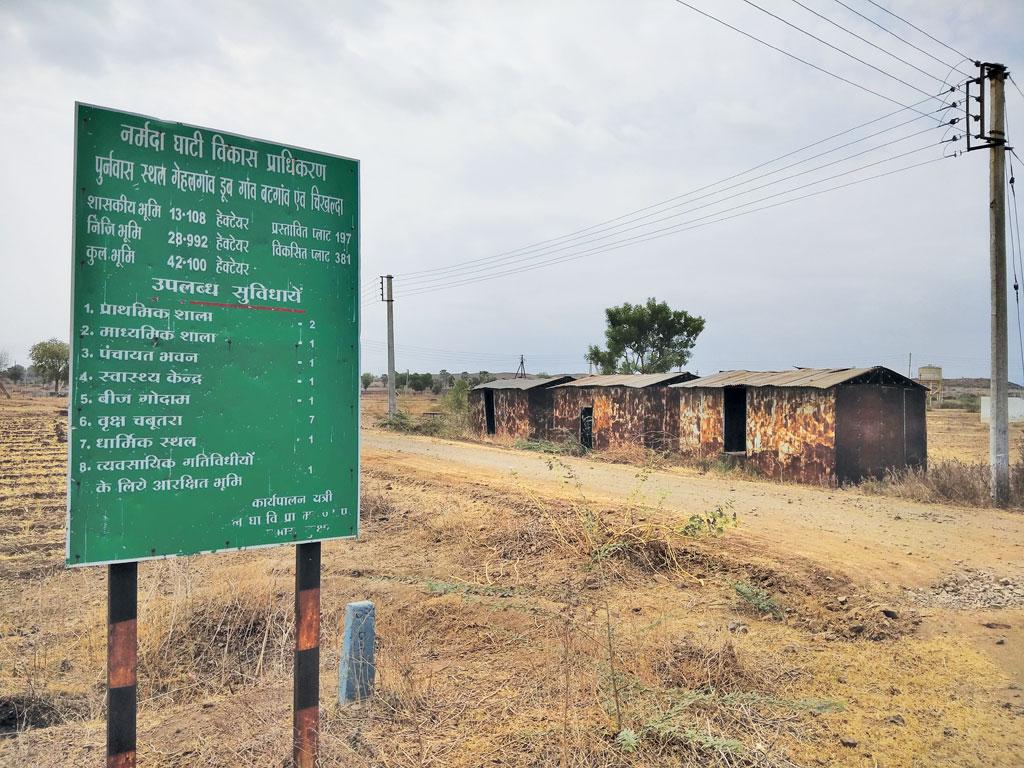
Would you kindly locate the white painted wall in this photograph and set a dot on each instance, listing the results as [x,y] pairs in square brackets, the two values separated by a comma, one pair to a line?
[1016,409]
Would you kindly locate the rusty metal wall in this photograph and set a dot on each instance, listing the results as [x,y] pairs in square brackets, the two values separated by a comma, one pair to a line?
[517,413]
[541,409]
[622,415]
[477,418]
[879,428]
[701,422]
[791,433]
[511,413]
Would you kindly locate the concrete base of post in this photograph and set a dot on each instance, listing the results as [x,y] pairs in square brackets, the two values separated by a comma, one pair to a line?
[357,671]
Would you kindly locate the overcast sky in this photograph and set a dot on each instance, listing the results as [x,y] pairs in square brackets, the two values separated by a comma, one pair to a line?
[483,127]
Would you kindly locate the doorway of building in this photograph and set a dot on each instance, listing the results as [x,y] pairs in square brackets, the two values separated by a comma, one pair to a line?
[489,410]
[734,410]
[587,427]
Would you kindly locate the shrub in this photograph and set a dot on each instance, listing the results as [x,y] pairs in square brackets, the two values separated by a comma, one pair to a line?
[757,600]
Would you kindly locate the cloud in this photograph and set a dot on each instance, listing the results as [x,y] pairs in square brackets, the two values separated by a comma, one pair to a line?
[483,127]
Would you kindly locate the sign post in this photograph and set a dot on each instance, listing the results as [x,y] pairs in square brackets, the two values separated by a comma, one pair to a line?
[215,367]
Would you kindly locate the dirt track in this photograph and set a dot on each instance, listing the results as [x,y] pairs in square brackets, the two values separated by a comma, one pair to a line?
[886,545]
[873,539]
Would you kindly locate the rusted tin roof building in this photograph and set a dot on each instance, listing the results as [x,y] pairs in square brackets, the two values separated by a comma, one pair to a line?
[515,408]
[817,425]
[604,411]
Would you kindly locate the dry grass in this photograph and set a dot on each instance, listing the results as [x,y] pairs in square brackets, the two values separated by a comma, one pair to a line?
[514,628]
[947,481]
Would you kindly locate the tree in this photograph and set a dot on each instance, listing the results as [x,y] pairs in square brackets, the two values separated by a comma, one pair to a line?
[646,338]
[366,379]
[420,381]
[15,373]
[5,359]
[50,359]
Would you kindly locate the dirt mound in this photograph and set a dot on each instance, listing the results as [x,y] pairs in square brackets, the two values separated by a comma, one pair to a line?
[24,712]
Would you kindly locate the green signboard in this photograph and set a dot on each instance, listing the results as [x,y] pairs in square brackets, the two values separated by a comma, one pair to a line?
[215,342]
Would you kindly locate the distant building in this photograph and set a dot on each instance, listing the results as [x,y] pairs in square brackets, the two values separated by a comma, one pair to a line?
[605,411]
[513,408]
[818,425]
[931,376]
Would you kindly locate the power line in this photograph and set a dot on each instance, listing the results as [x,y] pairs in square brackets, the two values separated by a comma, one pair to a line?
[794,56]
[585,230]
[931,37]
[1016,253]
[800,29]
[904,40]
[424,281]
[594,233]
[492,353]
[685,226]
[865,40]
[1016,86]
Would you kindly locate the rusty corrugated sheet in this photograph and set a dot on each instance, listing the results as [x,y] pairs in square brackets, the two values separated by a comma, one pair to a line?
[877,429]
[511,413]
[818,378]
[512,416]
[791,433]
[622,415]
[524,383]
[631,380]
[700,423]
[477,418]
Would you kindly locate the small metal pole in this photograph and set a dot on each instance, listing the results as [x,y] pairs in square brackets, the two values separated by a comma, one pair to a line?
[122,655]
[306,698]
[357,669]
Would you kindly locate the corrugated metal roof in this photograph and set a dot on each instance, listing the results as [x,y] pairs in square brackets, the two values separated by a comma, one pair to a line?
[522,383]
[628,380]
[818,378]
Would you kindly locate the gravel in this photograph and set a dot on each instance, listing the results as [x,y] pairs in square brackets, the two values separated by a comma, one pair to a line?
[970,588]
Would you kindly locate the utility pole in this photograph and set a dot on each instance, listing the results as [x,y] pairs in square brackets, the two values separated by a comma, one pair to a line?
[999,429]
[390,300]
[910,365]
[521,370]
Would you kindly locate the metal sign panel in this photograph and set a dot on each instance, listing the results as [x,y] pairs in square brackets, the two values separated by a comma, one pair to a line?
[215,342]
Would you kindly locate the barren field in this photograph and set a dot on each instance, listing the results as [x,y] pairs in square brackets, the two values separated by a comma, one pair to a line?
[539,611]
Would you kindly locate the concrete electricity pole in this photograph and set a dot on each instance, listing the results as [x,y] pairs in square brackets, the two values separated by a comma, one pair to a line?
[999,429]
[390,300]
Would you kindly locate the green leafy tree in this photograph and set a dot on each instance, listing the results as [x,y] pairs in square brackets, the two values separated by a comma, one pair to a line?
[646,338]
[366,379]
[15,373]
[50,359]
[420,381]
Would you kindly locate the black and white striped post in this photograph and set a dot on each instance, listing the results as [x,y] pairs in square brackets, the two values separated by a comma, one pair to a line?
[122,656]
[306,697]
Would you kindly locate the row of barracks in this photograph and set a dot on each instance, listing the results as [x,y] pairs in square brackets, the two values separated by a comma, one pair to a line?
[814,425]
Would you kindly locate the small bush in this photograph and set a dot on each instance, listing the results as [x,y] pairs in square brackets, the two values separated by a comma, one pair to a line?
[567,447]
[400,422]
[757,600]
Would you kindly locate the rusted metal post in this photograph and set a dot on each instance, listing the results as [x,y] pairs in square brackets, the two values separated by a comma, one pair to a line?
[122,654]
[306,698]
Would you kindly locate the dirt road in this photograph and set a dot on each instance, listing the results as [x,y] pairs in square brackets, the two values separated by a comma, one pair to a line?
[877,541]
[907,550]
